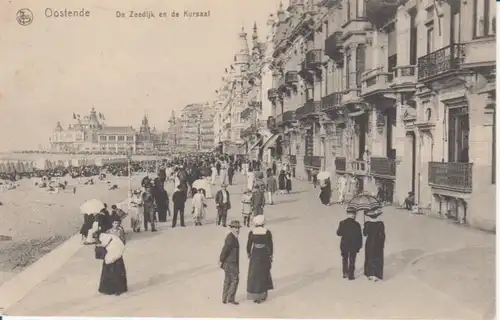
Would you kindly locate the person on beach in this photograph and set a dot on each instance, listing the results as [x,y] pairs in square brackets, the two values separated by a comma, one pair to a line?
[260,254]
[113,274]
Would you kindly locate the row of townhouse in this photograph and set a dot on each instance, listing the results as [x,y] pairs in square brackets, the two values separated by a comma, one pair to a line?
[397,96]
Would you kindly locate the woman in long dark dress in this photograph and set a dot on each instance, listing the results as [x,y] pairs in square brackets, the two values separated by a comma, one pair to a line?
[113,275]
[374,231]
[260,253]
[326,192]
[288,177]
[161,199]
[282,181]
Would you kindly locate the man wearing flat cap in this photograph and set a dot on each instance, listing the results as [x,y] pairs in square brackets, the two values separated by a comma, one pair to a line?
[229,261]
[351,241]
[223,204]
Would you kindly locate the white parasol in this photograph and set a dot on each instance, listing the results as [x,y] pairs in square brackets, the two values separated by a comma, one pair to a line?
[201,184]
[323,175]
[92,206]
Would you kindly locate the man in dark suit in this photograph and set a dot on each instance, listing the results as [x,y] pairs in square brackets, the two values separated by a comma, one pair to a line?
[351,241]
[179,200]
[223,204]
[229,261]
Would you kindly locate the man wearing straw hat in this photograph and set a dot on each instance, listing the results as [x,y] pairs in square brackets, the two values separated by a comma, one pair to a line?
[229,261]
[351,241]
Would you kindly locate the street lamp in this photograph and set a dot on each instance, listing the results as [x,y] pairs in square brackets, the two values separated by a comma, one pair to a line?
[129,169]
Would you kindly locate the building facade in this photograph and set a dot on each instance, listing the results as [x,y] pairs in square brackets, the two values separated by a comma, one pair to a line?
[207,130]
[90,134]
[190,128]
[397,96]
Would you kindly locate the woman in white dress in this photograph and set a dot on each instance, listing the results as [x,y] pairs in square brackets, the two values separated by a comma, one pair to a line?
[223,172]
[250,180]
[214,174]
[199,205]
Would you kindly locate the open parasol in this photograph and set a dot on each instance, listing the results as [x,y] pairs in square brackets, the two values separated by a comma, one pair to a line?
[323,175]
[200,184]
[92,206]
[364,202]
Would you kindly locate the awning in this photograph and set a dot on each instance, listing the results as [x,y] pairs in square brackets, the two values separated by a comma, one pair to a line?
[272,140]
[257,143]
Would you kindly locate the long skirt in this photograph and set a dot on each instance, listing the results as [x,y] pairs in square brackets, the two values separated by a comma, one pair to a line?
[162,214]
[113,278]
[325,195]
[259,280]
[288,185]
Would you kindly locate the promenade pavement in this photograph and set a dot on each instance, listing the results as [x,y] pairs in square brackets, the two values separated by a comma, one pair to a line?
[433,270]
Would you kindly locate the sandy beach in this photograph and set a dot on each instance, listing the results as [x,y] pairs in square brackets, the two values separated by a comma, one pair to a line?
[33,221]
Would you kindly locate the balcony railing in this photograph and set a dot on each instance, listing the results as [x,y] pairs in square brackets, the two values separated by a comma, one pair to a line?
[359,167]
[312,161]
[291,77]
[333,46]
[453,176]
[311,107]
[289,116]
[340,164]
[379,12]
[383,167]
[374,80]
[271,124]
[313,59]
[272,94]
[441,62]
[331,101]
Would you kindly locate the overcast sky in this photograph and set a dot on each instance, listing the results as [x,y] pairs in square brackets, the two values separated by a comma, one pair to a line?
[54,67]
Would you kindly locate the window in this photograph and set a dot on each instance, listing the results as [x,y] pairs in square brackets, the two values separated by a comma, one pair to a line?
[455,22]
[458,135]
[430,38]
[360,63]
[112,138]
[348,58]
[413,37]
[484,18]
[121,138]
[355,9]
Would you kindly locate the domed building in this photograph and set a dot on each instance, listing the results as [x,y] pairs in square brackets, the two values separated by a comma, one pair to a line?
[90,134]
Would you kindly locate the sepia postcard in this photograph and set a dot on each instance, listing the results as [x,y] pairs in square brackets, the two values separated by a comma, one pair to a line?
[248,159]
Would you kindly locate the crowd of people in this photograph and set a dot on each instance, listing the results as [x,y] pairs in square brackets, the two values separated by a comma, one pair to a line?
[195,178]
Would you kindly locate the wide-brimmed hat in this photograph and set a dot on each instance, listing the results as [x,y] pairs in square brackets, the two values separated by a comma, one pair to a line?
[247,190]
[234,224]
[224,185]
[375,213]
[259,220]
[351,210]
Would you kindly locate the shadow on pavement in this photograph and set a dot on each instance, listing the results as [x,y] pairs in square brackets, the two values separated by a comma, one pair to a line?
[396,262]
[286,201]
[169,279]
[280,220]
[137,236]
[302,280]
